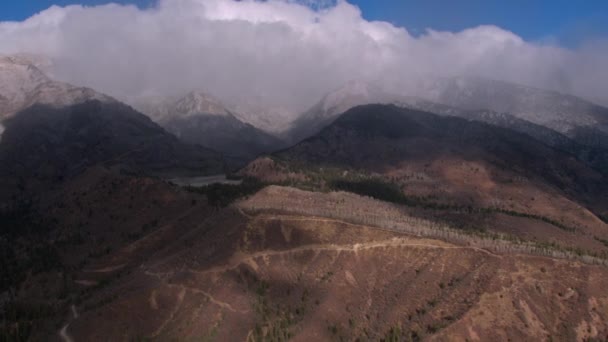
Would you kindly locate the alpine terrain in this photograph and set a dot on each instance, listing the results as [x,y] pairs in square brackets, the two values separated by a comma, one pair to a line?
[270,171]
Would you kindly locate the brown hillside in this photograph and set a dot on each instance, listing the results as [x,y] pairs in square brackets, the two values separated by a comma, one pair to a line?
[268,276]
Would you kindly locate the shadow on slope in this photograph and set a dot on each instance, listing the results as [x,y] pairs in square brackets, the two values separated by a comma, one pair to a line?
[45,145]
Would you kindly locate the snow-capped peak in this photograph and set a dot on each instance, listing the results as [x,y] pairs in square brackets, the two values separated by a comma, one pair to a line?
[18,78]
[263,113]
[22,84]
[199,103]
[557,111]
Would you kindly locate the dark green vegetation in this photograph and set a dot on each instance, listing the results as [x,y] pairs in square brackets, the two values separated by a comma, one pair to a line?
[274,323]
[375,137]
[221,195]
[603,241]
[379,150]
[24,245]
[373,188]
[389,192]
[25,251]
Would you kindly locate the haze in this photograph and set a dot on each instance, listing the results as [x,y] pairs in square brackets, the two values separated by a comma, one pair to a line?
[286,53]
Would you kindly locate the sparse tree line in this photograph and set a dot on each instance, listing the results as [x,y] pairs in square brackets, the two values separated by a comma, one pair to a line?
[366,211]
[389,192]
[221,195]
[362,183]
[25,250]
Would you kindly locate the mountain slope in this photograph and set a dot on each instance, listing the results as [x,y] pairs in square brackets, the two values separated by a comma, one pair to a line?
[467,173]
[366,128]
[263,114]
[333,104]
[593,153]
[134,258]
[562,121]
[22,85]
[201,119]
[560,112]
[46,144]
[263,270]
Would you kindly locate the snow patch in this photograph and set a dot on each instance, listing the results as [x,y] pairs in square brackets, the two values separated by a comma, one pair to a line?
[23,84]
[354,90]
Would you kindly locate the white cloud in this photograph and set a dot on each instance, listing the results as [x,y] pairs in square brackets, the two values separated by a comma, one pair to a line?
[282,50]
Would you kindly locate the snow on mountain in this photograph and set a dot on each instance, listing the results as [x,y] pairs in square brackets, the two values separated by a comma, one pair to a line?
[259,113]
[18,79]
[23,84]
[200,118]
[162,109]
[264,114]
[559,112]
[354,93]
[197,103]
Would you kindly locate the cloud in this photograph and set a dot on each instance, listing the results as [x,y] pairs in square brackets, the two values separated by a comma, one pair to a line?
[289,52]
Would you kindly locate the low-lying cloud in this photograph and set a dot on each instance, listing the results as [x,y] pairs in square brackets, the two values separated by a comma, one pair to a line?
[281,51]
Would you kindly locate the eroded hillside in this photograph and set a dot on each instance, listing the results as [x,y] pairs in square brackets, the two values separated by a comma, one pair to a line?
[265,275]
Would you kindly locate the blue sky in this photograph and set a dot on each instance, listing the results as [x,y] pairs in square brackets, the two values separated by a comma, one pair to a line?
[566,22]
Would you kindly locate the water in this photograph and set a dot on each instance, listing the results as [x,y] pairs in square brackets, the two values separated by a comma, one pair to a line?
[202,181]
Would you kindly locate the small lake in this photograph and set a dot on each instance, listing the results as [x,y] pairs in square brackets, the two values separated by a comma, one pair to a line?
[202,181]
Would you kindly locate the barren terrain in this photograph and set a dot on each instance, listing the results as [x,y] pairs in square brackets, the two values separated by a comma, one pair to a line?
[264,275]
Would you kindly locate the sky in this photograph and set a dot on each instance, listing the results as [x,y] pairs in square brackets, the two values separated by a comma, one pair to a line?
[564,22]
[291,54]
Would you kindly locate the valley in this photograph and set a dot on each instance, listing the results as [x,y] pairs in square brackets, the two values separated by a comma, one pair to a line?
[373,217]
[309,277]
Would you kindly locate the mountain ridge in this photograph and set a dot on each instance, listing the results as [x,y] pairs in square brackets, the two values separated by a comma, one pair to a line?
[22,85]
[45,145]
[202,119]
[560,112]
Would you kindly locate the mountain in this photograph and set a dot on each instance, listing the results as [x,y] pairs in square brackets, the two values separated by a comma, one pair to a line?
[45,144]
[591,153]
[398,224]
[201,119]
[23,84]
[134,258]
[587,142]
[361,138]
[111,255]
[262,113]
[333,104]
[450,165]
[259,276]
[563,113]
